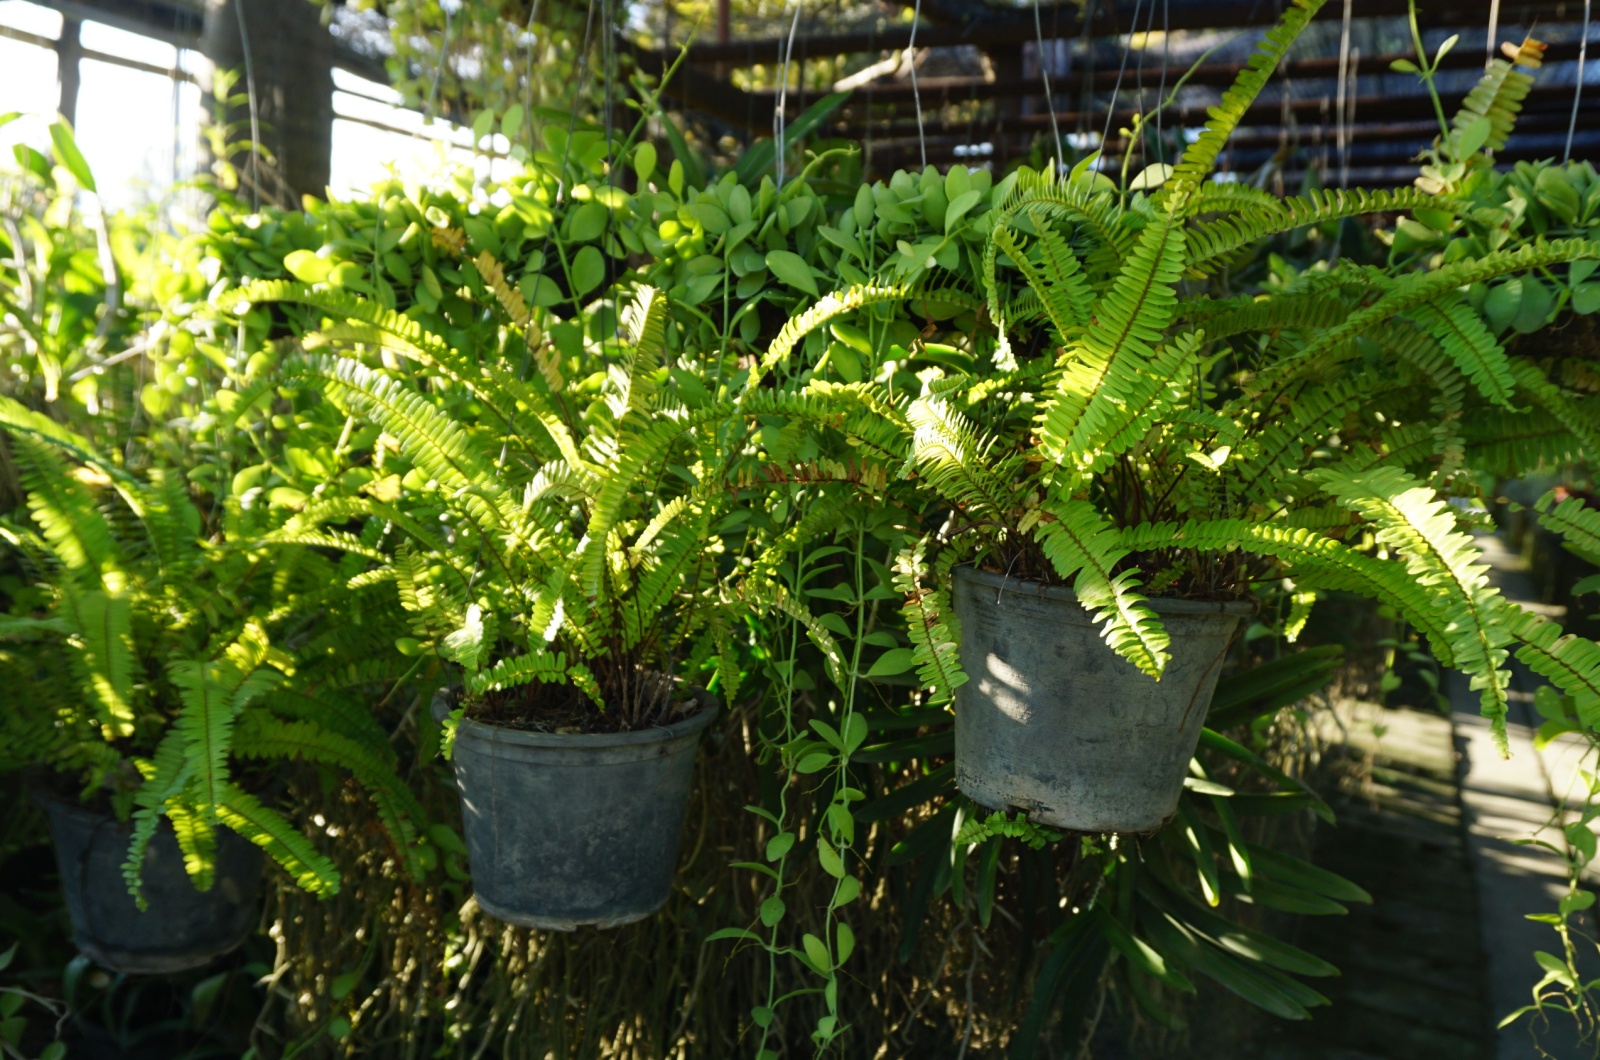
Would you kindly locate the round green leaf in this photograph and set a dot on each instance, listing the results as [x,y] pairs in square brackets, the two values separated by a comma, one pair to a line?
[792,269]
[644,162]
[588,270]
[892,662]
[586,222]
[817,953]
[1586,298]
[307,267]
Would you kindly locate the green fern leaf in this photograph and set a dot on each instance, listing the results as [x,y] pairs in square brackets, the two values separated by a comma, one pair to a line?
[1080,544]
[1114,360]
[1199,158]
[267,829]
[1410,518]
[930,623]
[1468,342]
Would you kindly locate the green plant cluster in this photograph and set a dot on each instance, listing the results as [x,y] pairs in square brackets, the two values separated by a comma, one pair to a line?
[588,454]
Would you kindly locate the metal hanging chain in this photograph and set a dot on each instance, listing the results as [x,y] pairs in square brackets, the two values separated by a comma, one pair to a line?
[1044,74]
[778,116]
[916,96]
[1577,89]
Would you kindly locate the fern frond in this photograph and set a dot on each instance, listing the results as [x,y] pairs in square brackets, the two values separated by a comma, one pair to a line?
[1581,421]
[165,773]
[197,841]
[1418,289]
[358,319]
[773,596]
[1114,358]
[1410,518]
[1058,280]
[1498,97]
[823,310]
[71,524]
[1577,523]
[1509,444]
[1199,157]
[954,461]
[103,623]
[1312,558]
[1466,339]
[267,829]
[645,321]
[1211,243]
[259,735]
[930,623]
[206,724]
[1566,660]
[515,670]
[1083,546]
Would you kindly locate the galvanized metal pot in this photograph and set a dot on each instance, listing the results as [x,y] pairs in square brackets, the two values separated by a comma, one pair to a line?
[180,928]
[567,830]
[1051,721]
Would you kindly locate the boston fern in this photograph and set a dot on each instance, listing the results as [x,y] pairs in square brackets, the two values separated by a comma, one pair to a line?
[1144,430]
[553,533]
[162,660]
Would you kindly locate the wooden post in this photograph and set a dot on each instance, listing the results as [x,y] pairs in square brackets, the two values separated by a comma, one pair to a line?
[69,49]
[283,48]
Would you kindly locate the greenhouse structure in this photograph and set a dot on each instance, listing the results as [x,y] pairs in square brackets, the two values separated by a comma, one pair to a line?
[849,529]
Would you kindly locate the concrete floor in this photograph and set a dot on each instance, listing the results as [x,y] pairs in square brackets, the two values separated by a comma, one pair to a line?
[1529,795]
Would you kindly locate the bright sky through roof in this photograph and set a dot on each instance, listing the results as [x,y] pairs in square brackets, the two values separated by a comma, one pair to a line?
[139,131]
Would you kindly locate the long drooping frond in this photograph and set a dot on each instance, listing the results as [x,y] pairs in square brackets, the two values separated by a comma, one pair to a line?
[1114,361]
[1412,519]
[1199,158]
[1084,547]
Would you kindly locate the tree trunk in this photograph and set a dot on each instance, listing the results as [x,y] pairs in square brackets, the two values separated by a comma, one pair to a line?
[284,57]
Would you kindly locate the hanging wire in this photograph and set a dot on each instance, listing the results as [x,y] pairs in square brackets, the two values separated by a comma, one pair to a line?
[1577,89]
[538,276]
[444,57]
[1339,130]
[778,116]
[866,143]
[255,113]
[1494,31]
[1086,49]
[1161,93]
[916,96]
[527,81]
[608,57]
[1116,89]
[1044,74]
[1350,108]
[1138,74]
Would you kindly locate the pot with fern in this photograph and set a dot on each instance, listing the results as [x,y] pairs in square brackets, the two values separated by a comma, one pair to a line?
[1145,444]
[156,697]
[544,555]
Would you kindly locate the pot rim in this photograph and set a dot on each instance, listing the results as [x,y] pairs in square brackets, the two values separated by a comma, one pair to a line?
[471,728]
[1161,605]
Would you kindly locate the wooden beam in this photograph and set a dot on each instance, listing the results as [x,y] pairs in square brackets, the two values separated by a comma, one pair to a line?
[944,90]
[1266,112]
[994,26]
